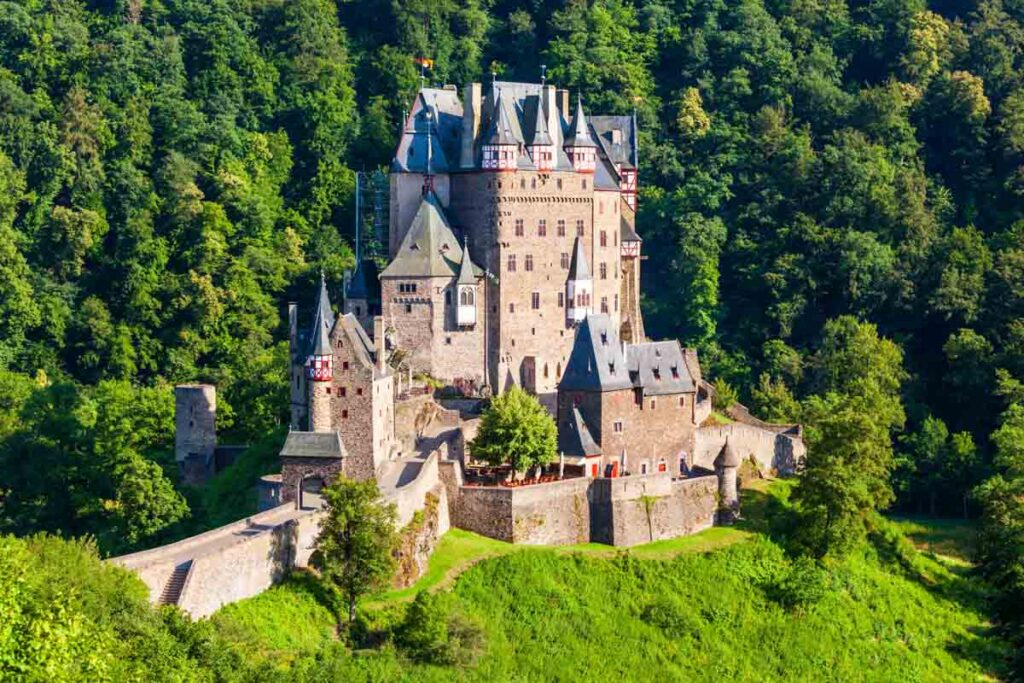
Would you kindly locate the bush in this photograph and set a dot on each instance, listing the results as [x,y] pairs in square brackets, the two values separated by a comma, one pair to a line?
[802,586]
[436,633]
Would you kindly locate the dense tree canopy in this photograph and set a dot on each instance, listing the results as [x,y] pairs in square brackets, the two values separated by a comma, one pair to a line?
[172,171]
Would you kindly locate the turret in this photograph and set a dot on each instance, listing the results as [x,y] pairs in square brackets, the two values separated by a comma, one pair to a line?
[726,465]
[320,363]
[465,311]
[579,287]
[542,147]
[500,151]
[579,146]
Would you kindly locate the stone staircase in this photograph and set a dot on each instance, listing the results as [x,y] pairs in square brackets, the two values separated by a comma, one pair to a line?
[172,589]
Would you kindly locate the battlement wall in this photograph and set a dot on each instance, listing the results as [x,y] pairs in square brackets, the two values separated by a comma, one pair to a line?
[639,509]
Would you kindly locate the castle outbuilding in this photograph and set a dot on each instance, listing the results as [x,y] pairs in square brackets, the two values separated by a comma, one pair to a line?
[637,404]
[539,193]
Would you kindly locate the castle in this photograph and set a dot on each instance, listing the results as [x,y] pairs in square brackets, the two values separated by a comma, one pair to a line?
[513,260]
[512,217]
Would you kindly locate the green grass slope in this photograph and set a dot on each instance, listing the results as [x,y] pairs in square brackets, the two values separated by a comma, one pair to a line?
[723,605]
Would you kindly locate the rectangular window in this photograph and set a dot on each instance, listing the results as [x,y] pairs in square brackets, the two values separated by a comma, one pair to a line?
[561,299]
[359,392]
[344,415]
[561,227]
[654,404]
[604,304]
[604,271]
[682,401]
[519,227]
[535,300]
[529,263]
[343,391]
[604,238]
[511,308]
[344,365]
[511,263]
[408,308]
[616,302]
[579,227]
[564,261]
[542,228]
[618,427]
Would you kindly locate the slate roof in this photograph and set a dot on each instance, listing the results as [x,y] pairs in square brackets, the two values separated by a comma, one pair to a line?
[576,440]
[323,321]
[727,456]
[359,342]
[627,233]
[512,112]
[501,131]
[313,445]
[430,248]
[444,129]
[579,269]
[659,368]
[623,152]
[598,357]
[360,287]
[579,132]
[596,362]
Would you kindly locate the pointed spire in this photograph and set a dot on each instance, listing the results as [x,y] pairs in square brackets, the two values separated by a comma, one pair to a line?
[466,276]
[501,132]
[320,343]
[579,269]
[540,128]
[579,131]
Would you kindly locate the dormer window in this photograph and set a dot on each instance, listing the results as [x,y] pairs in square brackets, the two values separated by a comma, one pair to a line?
[604,338]
[616,136]
[657,374]
[675,372]
[611,368]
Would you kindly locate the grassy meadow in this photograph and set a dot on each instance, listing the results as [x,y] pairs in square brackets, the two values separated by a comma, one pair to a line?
[726,604]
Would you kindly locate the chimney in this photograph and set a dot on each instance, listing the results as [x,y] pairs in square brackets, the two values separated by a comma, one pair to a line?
[471,99]
[378,341]
[551,113]
[563,104]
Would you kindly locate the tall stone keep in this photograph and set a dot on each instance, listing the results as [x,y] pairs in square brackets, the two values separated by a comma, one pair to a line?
[195,429]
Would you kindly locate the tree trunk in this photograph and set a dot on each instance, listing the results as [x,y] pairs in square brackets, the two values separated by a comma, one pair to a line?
[351,610]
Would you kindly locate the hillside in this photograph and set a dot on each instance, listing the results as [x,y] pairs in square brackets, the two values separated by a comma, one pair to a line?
[726,604]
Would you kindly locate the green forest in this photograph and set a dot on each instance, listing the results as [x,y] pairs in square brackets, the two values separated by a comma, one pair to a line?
[831,208]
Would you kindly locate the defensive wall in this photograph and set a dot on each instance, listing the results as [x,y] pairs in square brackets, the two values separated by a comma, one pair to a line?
[624,511]
[227,564]
[777,449]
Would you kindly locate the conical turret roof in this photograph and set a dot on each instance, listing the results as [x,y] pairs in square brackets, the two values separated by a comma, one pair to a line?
[579,131]
[323,321]
[579,269]
[466,274]
[501,131]
[429,248]
[541,136]
[727,456]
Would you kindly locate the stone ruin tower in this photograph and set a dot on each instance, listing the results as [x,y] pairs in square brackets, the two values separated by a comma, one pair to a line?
[195,430]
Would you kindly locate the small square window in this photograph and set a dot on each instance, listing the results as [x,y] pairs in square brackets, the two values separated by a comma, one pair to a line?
[448,341]
[344,365]
[359,392]
[343,391]
[344,415]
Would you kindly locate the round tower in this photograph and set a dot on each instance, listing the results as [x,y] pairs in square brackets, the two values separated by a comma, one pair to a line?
[320,364]
[726,466]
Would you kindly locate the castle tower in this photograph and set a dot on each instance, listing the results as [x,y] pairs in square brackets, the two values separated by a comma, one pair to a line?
[195,430]
[542,147]
[579,286]
[726,465]
[319,365]
[501,148]
[362,294]
[580,147]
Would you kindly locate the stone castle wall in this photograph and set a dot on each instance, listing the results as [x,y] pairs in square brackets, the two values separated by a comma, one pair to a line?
[632,510]
[195,416]
[775,451]
[230,563]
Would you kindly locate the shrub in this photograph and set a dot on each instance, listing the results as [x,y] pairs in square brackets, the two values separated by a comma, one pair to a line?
[434,632]
[802,586]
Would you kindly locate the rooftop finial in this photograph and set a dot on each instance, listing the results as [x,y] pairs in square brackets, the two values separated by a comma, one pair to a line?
[494,78]
[543,74]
